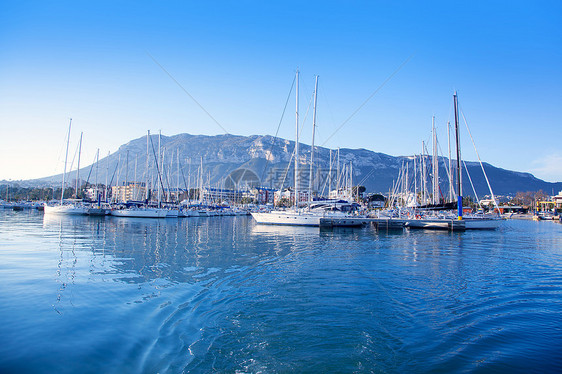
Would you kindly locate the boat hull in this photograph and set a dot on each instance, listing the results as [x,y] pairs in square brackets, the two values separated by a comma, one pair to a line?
[65,209]
[140,213]
[481,223]
[286,218]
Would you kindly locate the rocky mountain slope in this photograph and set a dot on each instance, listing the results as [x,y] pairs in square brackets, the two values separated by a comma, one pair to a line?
[237,161]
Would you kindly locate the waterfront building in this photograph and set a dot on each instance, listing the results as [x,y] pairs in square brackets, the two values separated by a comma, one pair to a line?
[132,191]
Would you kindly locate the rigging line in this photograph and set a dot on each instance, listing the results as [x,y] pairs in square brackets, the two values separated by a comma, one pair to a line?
[91,167]
[156,162]
[278,127]
[481,165]
[287,170]
[187,93]
[444,164]
[367,176]
[369,98]
[472,184]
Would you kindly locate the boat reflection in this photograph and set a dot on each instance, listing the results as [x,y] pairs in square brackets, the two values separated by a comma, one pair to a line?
[139,250]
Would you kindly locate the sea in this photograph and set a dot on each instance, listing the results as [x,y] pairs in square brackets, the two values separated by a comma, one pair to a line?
[223,294]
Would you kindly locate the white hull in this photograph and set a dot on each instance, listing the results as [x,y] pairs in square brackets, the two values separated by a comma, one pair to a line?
[287,218]
[65,209]
[431,224]
[140,213]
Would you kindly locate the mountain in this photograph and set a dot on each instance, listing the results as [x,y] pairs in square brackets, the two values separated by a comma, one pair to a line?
[231,160]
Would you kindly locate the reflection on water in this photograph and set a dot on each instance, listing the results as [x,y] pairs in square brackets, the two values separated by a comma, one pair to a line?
[114,295]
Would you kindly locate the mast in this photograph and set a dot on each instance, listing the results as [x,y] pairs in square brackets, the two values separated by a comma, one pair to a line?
[330,175]
[135,181]
[65,160]
[338,172]
[117,190]
[78,167]
[297,143]
[312,146]
[459,170]
[435,165]
[424,176]
[147,165]
[158,171]
[415,183]
[450,161]
[106,192]
[200,182]
[97,165]
[189,182]
[178,179]
[126,174]
[350,191]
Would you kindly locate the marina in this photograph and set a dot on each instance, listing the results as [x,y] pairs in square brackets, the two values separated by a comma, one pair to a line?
[280,187]
[122,295]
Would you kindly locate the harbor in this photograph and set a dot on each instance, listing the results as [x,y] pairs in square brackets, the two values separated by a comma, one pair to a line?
[409,300]
[280,187]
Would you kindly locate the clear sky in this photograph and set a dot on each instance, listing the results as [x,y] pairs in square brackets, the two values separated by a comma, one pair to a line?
[89,60]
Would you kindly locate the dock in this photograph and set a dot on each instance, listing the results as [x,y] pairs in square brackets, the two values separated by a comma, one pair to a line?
[387,223]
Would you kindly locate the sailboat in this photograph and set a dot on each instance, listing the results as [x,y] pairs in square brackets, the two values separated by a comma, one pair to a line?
[474,222]
[144,211]
[467,222]
[74,208]
[304,216]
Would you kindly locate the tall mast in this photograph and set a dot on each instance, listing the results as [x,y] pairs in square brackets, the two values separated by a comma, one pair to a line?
[158,165]
[450,162]
[178,179]
[65,160]
[338,172]
[201,182]
[97,162]
[297,143]
[147,165]
[135,197]
[126,174]
[117,190]
[435,165]
[312,146]
[189,182]
[78,167]
[351,180]
[459,170]
[106,192]
[415,183]
[423,175]
[330,175]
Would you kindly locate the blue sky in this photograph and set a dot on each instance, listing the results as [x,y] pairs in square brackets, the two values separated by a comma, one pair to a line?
[90,61]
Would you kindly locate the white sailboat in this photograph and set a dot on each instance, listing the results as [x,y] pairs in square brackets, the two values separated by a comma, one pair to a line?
[304,216]
[71,207]
[143,211]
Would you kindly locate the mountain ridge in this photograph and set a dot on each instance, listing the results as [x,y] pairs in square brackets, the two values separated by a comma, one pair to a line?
[268,158]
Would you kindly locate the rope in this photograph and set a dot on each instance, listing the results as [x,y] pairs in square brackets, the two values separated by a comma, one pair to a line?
[369,98]
[479,160]
[187,93]
[473,189]
[278,127]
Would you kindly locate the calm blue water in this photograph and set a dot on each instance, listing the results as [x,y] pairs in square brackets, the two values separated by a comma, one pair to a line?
[221,294]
